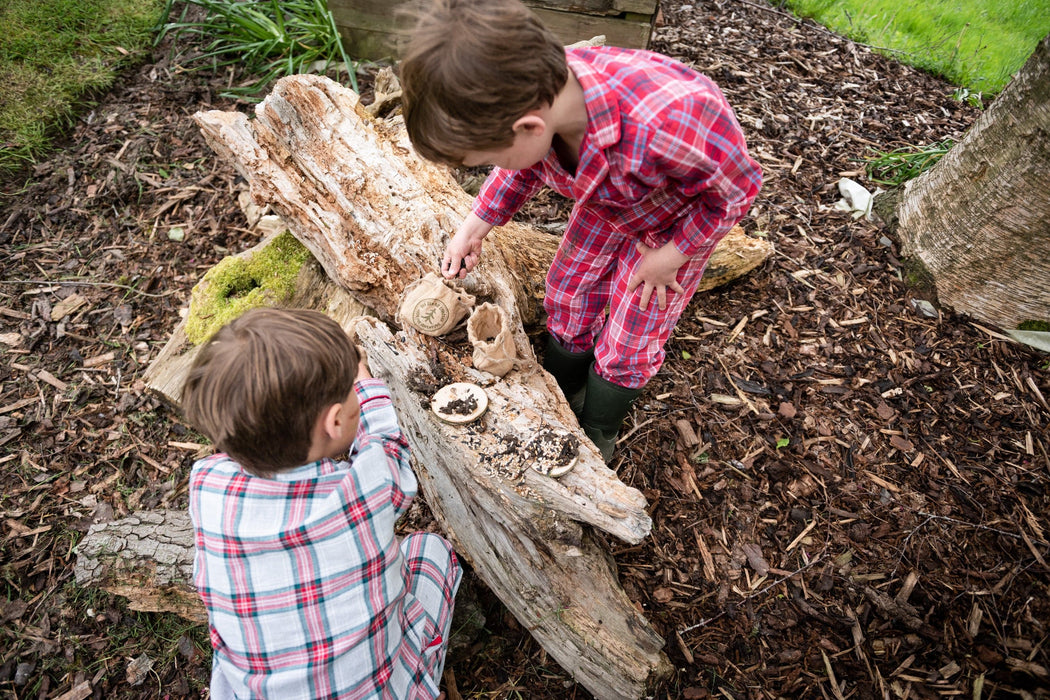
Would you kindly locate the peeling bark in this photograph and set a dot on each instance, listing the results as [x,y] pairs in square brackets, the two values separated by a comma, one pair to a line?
[147,558]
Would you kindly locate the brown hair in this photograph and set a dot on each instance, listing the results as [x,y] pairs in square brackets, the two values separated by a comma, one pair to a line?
[257,388]
[470,70]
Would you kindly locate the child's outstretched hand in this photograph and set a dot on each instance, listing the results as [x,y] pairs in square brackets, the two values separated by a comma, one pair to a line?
[464,250]
[362,364]
[657,272]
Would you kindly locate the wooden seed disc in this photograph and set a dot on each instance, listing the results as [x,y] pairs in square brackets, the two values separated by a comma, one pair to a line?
[563,469]
[459,402]
[553,453]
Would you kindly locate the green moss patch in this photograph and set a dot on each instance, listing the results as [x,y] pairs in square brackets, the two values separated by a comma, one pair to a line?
[238,283]
[918,278]
[1041,326]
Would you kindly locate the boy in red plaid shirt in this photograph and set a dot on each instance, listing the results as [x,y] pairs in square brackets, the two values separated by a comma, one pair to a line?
[309,592]
[649,149]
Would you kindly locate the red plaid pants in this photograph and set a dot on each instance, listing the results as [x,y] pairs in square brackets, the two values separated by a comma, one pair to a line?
[589,275]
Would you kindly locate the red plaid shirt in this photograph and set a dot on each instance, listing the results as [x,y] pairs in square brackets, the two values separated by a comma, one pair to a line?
[662,151]
[663,159]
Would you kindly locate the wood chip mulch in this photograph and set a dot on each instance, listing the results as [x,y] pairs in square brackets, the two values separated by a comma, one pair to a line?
[849,496]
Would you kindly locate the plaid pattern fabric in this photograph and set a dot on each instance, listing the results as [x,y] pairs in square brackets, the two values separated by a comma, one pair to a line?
[663,159]
[309,592]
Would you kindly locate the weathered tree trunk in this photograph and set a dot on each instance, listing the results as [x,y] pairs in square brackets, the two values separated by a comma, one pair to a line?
[979,220]
[377,218]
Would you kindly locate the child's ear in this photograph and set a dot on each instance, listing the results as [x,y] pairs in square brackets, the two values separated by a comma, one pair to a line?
[531,123]
[331,422]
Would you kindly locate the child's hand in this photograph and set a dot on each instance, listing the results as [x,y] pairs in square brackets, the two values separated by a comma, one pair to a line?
[362,364]
[657,272]
[464,251]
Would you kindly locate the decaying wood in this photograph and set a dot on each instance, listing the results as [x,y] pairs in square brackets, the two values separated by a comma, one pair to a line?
[512,525]
[146,558]
[521,531]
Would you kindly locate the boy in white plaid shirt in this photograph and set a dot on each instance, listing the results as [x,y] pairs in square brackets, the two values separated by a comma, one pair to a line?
[309,592]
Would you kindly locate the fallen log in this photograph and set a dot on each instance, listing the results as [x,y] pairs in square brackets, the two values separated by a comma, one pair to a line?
[376,218]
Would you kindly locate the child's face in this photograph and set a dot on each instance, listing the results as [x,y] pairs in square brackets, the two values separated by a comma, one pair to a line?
[529,148]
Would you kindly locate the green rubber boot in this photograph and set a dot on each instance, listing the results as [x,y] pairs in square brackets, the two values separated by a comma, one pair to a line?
[570,369]
[604,408]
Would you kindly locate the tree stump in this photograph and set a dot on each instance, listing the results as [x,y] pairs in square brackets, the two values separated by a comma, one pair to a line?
[979,220]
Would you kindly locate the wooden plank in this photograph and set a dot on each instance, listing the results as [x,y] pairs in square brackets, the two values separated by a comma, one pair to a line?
[376,14]
[370,28]
[374,45]
[373,15]
[572,27]
[369,44]
[598,7]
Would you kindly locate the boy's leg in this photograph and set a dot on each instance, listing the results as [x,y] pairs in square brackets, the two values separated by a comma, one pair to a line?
[570,370]
[433,578]
[630,349]
[589,275]
[604,407]
[579,285]
[580,281]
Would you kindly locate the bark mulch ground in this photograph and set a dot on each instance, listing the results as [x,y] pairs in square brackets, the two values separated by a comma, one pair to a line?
[849,496]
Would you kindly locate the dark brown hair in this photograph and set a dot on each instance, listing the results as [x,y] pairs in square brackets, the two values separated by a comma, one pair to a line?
[257,388]
[470,70]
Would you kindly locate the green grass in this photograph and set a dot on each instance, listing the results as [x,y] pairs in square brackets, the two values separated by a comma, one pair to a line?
[267,38]
[54,54]
[974,44]
[894,168]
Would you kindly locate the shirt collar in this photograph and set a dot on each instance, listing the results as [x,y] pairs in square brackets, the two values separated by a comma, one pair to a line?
[603,127]
[603,112]
[312,470]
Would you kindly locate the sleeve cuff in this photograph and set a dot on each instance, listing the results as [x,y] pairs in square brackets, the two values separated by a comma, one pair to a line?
[493,217]
[371,388]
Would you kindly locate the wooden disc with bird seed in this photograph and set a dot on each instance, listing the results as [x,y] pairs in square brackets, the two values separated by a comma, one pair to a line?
[459,402]
[553,453]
